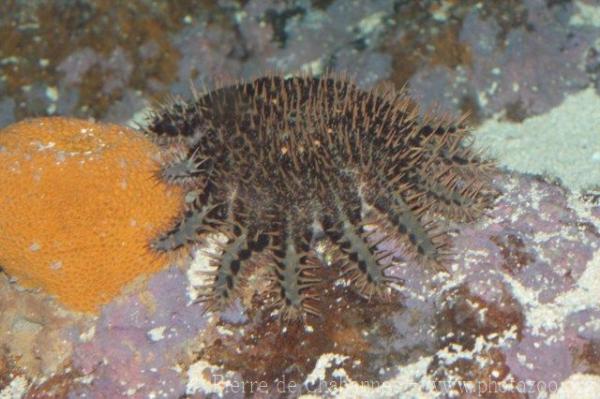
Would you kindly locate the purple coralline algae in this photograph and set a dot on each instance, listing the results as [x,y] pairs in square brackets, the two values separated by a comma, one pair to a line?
[139,339]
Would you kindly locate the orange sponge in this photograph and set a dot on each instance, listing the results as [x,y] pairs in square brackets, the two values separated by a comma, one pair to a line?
[79,203]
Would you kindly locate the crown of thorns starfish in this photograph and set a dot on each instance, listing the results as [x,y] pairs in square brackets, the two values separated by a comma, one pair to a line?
[272,162]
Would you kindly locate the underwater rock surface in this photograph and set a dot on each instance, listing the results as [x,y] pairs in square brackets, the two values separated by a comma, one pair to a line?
[518,315]
[518,312]
[518,57]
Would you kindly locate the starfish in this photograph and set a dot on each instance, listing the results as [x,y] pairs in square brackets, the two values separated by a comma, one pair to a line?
[274,162]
